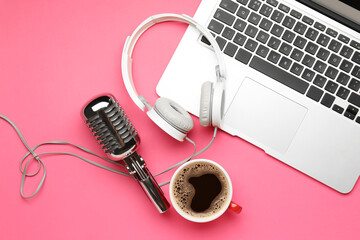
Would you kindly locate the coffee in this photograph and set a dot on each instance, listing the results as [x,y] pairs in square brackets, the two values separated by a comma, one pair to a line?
[200,189]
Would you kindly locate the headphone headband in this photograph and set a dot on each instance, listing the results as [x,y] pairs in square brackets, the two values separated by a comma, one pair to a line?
[126,62]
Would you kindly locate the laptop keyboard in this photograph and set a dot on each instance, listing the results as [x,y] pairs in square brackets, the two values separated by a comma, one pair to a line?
[292,48]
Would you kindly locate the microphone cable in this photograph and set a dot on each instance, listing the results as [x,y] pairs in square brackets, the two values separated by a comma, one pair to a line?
[24,170]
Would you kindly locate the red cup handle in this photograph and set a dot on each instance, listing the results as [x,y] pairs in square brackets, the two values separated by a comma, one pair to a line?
[235,207]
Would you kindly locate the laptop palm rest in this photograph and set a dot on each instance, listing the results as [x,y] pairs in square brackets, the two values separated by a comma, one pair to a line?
[251,113]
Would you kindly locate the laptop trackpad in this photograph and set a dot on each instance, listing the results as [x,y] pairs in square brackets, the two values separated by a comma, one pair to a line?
[264,117]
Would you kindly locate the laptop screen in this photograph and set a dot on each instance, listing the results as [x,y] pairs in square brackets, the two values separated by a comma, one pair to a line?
[346,12]
[350,9]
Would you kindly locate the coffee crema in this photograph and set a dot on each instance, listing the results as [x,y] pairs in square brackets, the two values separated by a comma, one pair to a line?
[200,189]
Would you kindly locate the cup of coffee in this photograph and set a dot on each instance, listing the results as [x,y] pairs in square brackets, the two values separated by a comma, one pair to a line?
[201,191]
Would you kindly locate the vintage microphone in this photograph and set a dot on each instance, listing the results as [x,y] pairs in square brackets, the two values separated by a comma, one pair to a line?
[119,139]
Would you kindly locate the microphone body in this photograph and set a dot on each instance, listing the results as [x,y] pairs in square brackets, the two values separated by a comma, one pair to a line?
[119,139]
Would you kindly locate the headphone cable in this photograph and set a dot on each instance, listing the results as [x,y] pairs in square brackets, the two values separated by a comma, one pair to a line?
[189,158]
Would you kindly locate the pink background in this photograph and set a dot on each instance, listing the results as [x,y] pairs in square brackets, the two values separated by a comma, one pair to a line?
[54,57]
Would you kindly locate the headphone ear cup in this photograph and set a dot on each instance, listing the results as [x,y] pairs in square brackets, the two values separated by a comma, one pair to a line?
[206,104]
[174,114]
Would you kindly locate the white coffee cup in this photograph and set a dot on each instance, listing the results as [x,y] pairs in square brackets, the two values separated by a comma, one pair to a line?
[228,204]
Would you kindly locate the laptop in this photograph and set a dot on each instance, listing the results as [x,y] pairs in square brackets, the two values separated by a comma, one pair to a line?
[293,80]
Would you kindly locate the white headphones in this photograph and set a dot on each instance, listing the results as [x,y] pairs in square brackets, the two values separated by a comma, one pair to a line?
[167,114]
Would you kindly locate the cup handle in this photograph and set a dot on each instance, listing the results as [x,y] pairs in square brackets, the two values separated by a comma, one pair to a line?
[235,207]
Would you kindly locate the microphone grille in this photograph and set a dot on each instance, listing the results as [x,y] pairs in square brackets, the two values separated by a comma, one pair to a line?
[112,128]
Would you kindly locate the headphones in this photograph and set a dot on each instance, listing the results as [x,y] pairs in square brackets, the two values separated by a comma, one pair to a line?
[167,114]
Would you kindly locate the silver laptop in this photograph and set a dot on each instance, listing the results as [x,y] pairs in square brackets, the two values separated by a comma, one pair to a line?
[293,79]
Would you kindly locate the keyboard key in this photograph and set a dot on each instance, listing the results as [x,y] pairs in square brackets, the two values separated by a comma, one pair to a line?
[296,69]
[288,36]
[346,51]
[308,60]
[343,93]
[311,34]
[296,54]
[239,39]
[334,46]
[343,79]
[308,75]
[243,12]
[358,119]
[334,60]
[277,30]
[314,93]
[240,25]
[300,28]
[349,115]
[265,10]
[204,40]
[228,33]
[215,26]
[285,48]
[327,100]
[254,5]
[331,86]
[331,32]
[344,38]
[346,66]
[355,44]
[354,99]
[320,26]
[265,24]
[338,109]
[285,63]
[311,48]
[251,31]
[307,20]
[320,66]
[243,2]
[251,45]
[272,2]
[254,18]
[229,5]
[319,81]
[331,72]
[323,54]
[356,72]
[351,112]
[277,16]
[288,22]
[354,85]
[262,51]
[224,17]
[284,8]
[243,56]
[323,40]
[274,57]
[295,14]
[262,37]
[300,42]
[230,49]
[221,42]
[274,43]
[279,75]
[356,57]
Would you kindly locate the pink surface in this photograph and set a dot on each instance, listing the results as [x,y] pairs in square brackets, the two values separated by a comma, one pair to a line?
[54,57]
